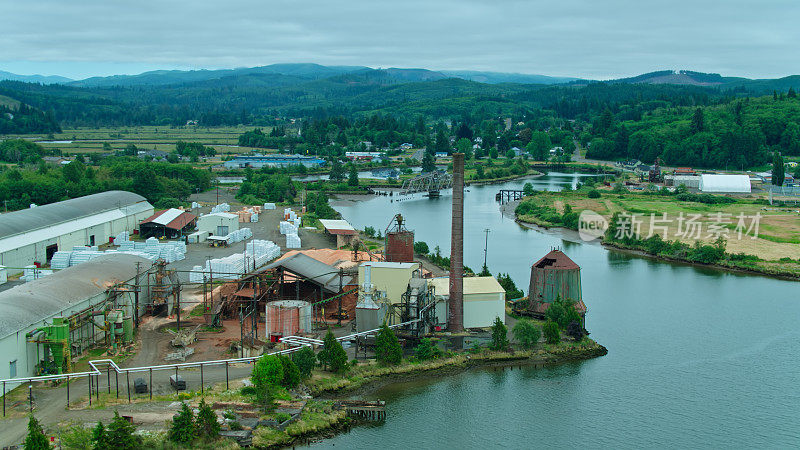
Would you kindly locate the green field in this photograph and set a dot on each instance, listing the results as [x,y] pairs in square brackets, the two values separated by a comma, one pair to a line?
[91,140]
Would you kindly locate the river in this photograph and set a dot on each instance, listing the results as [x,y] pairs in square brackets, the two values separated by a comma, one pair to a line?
[697,357]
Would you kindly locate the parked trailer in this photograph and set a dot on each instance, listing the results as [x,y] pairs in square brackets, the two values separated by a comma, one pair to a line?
[140,386]
[177,382]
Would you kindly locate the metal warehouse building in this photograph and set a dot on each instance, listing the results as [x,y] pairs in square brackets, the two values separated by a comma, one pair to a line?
[55,318]
[34,235]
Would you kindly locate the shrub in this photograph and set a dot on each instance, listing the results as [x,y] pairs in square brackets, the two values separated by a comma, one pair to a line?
[76,436]
[426,350]
[551,332]
[575,330]
[305,359]
[267,374]
[291,374]
[526,333]
[594,193]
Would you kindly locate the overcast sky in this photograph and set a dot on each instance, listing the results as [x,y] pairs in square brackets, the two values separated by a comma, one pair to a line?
[585,38]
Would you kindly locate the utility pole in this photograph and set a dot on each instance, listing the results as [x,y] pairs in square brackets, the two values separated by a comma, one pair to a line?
[340,296]
[178,301]
[486,246]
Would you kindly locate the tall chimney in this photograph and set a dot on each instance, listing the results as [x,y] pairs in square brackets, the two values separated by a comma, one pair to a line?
[455,322]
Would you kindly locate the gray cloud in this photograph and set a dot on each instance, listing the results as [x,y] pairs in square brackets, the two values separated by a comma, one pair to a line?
[597,38]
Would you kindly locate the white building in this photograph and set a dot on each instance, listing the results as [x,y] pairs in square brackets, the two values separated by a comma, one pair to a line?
[484,300]
[725,183]
[78,292]
[33,235]
[218,224]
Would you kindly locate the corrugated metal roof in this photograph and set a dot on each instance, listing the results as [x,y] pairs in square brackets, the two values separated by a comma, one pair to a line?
[26,220]
[472,285]
[222,214]
[338,227]
[316,271]
[41,234]
[171,218]
[35,301]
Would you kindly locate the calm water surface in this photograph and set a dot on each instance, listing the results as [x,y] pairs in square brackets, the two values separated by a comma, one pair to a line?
[697,357]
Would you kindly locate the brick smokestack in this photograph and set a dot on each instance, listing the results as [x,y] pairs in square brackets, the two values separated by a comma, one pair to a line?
[455,322]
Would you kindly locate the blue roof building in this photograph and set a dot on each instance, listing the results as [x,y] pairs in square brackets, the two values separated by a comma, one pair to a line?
[257,162]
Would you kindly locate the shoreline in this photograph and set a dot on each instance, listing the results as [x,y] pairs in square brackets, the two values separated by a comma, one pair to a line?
[361,384]
[641,253]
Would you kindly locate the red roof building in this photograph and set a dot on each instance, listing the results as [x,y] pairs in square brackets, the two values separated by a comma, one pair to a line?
[170,223]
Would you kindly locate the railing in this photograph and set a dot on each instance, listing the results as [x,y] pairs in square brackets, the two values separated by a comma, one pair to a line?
[108,365]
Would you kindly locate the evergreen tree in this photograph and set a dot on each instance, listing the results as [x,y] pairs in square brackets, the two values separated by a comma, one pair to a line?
[120,434]
[778,170]
[36,439]
[428,163]
[337,170]
[792,93]
[182,430]
[442,144]
[499,336]
[206,424]
[352,178]
[99,437]
[332,354]
[291,374]
[387,347]
[698,121]
[305,359]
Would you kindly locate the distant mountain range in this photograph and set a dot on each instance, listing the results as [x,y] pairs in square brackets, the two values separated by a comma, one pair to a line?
[52,79]
[288,74]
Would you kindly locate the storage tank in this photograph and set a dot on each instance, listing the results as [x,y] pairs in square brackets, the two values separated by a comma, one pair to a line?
[127,329]
[400,246]
[287,318]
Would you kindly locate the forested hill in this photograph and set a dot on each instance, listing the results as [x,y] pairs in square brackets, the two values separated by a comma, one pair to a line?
[740,133]
[264,96]
[18,118]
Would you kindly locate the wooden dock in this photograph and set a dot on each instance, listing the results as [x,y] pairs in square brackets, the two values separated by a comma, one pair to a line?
[365,410]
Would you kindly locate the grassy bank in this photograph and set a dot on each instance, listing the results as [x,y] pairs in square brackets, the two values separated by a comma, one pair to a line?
[663,231]
[365,375]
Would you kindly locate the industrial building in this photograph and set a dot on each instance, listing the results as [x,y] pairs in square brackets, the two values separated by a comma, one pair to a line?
[33,235]
[257,162]
[484,299]
[218,224]
[552,277]
[732,184]
[169,223]
[47,322]
[341,229]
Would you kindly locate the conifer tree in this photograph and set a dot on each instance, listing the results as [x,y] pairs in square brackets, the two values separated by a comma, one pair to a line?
[36,439]
[182,430]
